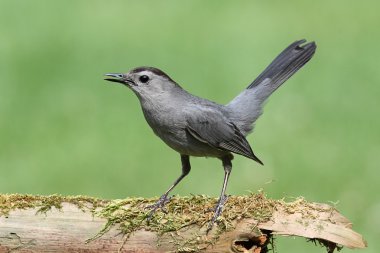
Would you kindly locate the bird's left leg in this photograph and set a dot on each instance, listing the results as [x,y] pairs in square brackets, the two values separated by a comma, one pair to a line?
[227,165]
[185,159]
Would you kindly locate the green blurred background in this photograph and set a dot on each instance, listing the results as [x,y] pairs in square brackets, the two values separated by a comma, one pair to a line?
[64,130]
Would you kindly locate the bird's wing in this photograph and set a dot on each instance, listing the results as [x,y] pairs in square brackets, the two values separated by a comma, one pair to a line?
[212,127]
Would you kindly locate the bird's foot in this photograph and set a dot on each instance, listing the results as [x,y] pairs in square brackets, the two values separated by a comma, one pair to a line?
[160,204]
[218,210]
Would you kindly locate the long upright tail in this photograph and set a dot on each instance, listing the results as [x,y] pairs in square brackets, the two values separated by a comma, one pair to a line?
[247,106]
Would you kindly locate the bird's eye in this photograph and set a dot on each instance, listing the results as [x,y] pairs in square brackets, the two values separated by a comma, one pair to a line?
[144,78]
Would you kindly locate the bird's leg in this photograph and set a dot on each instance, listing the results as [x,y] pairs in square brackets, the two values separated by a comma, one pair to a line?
[227,165]
[164,198]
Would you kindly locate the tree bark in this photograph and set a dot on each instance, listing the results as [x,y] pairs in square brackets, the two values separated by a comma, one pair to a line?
[68,229]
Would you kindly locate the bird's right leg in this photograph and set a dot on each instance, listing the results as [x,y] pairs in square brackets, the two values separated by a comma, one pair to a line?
[185,159]
[227,165]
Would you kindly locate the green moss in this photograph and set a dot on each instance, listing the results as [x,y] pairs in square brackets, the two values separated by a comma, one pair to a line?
[130,214]
[43,204]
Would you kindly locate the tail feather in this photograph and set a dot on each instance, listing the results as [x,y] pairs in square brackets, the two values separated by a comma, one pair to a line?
[287,63]
[247,106]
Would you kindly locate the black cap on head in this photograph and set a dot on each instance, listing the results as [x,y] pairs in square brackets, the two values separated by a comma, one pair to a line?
[156,71]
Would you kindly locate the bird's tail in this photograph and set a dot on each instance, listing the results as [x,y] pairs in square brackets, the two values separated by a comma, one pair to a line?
[247,106]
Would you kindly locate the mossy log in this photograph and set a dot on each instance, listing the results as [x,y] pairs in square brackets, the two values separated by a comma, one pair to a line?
[82,224]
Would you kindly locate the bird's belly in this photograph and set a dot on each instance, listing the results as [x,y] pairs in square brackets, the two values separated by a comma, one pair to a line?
[181,141]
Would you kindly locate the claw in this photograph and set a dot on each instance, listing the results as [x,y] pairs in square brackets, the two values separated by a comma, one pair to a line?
[217,212]
[159,204]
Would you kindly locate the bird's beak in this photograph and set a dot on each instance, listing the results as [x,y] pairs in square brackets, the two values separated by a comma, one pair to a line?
[120,78]
[116,77]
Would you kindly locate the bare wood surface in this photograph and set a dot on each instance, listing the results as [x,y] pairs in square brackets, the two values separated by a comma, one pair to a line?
[68,229]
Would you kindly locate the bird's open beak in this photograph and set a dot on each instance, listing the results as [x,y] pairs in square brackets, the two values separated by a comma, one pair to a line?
[116,77]
[120,78]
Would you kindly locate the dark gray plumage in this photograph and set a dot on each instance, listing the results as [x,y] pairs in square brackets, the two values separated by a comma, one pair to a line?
[194,126]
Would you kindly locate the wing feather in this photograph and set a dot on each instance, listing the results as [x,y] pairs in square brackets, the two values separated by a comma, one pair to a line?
[210,126]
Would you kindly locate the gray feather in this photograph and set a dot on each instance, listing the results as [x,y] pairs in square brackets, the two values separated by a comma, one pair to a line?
[247,106]
[212,127]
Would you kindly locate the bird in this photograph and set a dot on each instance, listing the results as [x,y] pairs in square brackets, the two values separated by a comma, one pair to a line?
[197,127]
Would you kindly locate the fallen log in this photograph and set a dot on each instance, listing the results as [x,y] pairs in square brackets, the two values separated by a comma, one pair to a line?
[82,224]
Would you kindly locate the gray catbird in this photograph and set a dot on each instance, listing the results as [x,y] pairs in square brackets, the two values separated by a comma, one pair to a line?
[194,126]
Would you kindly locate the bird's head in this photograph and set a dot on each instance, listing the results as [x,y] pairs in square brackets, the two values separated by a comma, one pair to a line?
[144,81]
